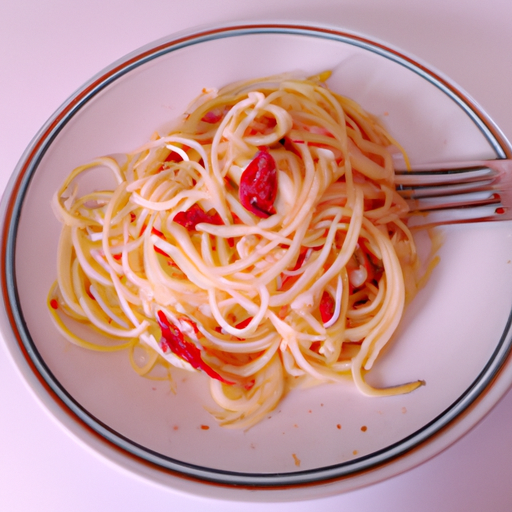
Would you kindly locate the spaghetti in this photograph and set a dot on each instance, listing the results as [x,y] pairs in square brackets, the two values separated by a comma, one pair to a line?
[261,242]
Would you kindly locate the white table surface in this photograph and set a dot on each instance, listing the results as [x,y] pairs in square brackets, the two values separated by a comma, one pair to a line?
[48,49]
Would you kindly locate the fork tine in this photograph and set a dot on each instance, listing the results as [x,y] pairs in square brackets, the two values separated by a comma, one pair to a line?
[481,198]
[432,177]
[457,216]
[416,191]
[456,193]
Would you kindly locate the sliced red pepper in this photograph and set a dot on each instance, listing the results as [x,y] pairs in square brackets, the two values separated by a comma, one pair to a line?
[327,307]
[171,157]
[173,341]
[249,385]
[195,215]
[214,115]
[155,231]
[159,251]
[244,323]
[258,185]
[300,261]
[236,218]
[192,324]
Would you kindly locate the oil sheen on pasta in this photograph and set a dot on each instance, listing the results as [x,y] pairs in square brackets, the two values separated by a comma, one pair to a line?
[261,242]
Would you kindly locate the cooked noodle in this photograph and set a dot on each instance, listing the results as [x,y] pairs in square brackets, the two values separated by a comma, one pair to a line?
[304,278]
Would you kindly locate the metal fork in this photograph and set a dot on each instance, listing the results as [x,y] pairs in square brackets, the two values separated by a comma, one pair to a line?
[458,192]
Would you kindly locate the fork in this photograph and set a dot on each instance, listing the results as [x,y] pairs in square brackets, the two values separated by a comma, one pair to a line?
[457,192]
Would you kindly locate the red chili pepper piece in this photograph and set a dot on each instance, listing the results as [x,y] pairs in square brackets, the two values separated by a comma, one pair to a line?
[159,251]
[300,261]
[173,341]
[249,385]
[171,157]
[258,185]
[195,215]
[192,324]
[216,114]
[326,307]
[213,116]
[244,323]
[155,231]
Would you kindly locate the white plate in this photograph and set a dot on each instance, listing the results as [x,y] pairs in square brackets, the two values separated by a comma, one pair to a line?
[455,335]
